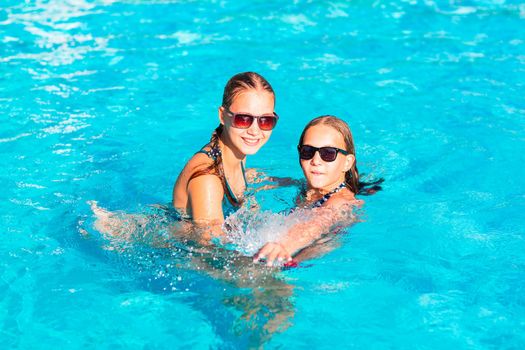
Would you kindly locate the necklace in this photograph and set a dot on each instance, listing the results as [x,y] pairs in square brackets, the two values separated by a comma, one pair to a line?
[327,196]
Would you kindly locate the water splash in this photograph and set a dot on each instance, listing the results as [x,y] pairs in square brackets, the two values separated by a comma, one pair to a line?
[249,230]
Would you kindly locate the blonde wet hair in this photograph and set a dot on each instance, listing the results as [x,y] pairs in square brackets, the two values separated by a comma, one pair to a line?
[352,175]
[236,85]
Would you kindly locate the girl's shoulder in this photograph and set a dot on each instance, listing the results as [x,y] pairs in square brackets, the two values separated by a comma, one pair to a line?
[199,165]
[199,161]
[344,198]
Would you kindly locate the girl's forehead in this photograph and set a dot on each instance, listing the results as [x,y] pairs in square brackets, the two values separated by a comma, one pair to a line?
[253,99]
[321,135]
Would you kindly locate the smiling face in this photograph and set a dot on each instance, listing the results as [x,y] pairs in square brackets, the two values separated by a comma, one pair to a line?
[322,175]
[248,141]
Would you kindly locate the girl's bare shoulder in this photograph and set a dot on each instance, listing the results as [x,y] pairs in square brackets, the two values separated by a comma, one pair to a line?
[344,198]
[198,161]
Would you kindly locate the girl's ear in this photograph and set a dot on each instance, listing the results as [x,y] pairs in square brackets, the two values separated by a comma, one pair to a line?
[350,161]
[221,115]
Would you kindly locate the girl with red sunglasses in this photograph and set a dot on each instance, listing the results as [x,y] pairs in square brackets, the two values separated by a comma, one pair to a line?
[213,182]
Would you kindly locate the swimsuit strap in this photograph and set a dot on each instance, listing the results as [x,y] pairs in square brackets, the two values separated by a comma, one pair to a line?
[213,153]
[244,175]
[229,188]
[327,196]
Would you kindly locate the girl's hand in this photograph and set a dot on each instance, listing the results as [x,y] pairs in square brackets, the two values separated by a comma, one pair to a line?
[272,251]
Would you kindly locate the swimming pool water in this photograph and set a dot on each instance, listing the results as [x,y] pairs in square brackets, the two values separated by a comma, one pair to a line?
[105,100]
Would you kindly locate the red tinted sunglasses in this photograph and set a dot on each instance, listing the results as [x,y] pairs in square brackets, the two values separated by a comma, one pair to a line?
[245,120]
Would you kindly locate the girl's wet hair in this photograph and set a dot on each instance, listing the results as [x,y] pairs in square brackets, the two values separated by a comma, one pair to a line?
[237,84]
[352,175]
[241,82]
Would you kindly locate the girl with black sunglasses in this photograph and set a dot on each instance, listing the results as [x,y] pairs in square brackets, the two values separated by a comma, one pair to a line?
[327,158]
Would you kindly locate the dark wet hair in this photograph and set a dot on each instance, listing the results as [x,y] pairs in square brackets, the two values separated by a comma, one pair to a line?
[352,175]
[237,84]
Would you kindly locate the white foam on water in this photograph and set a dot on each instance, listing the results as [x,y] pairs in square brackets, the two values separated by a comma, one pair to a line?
[249,230]
[183,37]
[299,22]
[384,83]
[21,184]
[335,11]
[14,138]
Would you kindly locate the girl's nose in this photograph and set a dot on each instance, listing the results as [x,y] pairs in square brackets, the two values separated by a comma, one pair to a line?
[316,159]
[254,128]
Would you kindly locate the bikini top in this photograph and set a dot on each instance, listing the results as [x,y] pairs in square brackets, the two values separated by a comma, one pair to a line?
[227,206]
[318,203]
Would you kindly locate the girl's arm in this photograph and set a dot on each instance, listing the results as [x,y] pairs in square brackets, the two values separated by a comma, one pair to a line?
[298,237]
[205,194]
[302,235]
[255,177]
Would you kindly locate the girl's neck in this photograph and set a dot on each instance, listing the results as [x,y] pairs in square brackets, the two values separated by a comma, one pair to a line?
[315,193]
[320,200]
[230,159]
[324,190]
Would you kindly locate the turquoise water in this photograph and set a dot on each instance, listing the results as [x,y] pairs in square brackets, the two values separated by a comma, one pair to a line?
[105,100]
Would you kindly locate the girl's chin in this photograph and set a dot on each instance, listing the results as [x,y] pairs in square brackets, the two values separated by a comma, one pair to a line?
[316,185]
[250,150]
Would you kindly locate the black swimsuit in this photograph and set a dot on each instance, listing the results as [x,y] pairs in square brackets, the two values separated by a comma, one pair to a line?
[227,207]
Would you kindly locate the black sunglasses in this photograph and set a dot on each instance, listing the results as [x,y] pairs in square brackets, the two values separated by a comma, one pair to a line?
[245,120]
[328,154]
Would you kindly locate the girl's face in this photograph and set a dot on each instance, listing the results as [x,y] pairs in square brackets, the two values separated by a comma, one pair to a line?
[247,141]
[320,174]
